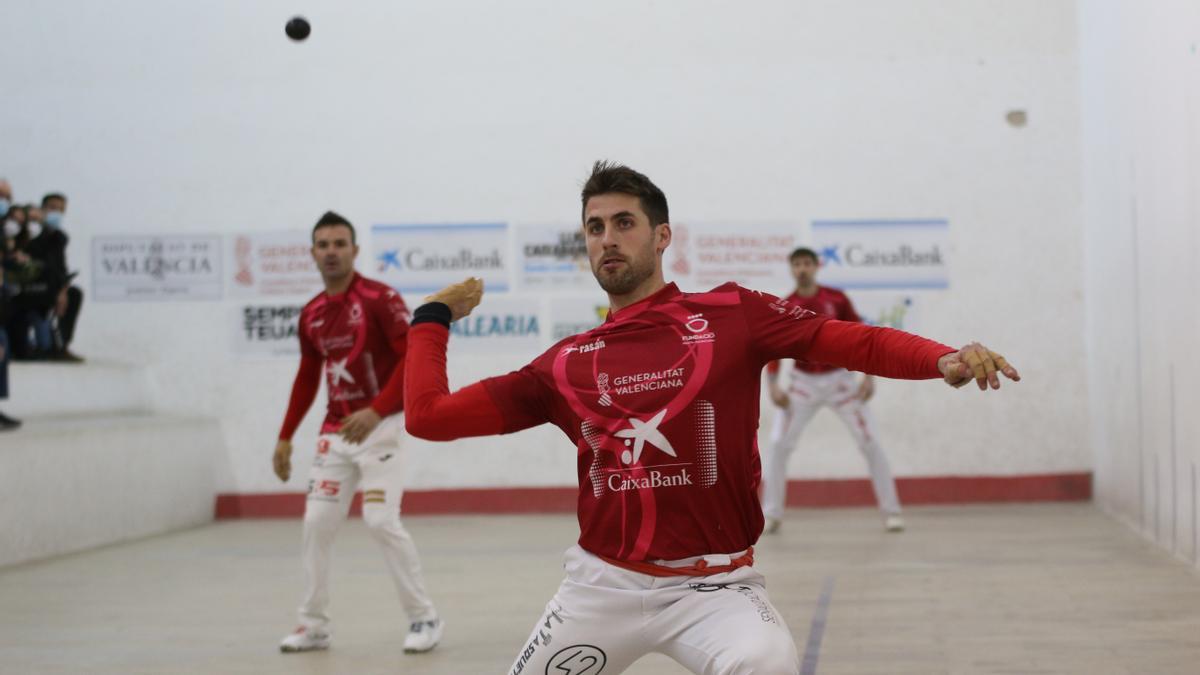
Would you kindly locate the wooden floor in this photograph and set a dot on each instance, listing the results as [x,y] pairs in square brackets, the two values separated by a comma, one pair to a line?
[1015,589]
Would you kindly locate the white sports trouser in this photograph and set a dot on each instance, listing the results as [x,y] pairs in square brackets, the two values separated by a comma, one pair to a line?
[603,618]
[338,470]
[808,394]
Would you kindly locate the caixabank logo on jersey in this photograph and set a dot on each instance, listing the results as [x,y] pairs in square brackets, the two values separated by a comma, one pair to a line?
[883,254]
[177,267]
[427,258]
[499,325]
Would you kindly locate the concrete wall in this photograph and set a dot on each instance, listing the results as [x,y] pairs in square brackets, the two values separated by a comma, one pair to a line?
[1140,106]
[196,118]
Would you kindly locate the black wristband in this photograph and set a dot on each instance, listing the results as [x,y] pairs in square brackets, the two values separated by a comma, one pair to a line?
[432,312]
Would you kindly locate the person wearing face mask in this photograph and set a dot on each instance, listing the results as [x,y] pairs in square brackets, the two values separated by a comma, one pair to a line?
[7,261]
[50,246]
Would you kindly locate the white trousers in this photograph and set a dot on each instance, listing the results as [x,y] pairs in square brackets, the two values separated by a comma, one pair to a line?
[603,618]
[808,394]
[339,468]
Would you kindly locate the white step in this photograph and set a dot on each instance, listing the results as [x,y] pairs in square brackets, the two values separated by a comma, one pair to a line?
[73,482]
[45,388]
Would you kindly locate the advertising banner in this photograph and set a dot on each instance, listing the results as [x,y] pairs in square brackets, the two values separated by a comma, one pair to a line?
[883,253]
[426,258]
[272,264]
[152,267]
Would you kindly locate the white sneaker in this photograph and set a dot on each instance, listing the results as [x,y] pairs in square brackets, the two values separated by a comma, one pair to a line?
[893,523]
[771,526]
[423,636]
[305,640]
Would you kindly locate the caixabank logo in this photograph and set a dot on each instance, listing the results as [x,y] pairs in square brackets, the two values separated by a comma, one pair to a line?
[884,253]
[425,258]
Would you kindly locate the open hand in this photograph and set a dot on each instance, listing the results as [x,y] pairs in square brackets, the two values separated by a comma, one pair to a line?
[976,362]
[357,426]
[461,298]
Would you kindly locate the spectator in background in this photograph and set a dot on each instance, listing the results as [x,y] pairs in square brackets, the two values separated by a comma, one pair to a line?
[31,292]
[7,259]
[69,298]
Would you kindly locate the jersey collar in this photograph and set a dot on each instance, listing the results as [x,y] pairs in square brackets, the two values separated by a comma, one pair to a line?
[665,294]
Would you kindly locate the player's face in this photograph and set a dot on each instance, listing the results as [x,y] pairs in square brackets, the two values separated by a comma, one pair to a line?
[334,252]
[804,271]
[623,248]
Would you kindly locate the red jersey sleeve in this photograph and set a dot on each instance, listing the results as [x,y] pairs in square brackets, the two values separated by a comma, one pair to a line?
[781,329]
[520,397]
[305,386]
[886,352]
[391,315]
[778,329]
[432,412]
[846,311]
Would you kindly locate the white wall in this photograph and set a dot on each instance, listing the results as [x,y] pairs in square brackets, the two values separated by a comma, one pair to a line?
[194,117]
[1141,105]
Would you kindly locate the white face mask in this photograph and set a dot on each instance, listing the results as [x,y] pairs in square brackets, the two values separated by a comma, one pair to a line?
[35,228]
[11,228]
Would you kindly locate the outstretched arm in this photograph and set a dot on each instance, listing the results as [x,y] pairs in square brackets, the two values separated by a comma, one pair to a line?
[781,329]
[892,353]
[431,411]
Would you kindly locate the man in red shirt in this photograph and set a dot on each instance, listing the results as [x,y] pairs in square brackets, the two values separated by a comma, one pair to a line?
[661,403]
[357,328]
[814,386]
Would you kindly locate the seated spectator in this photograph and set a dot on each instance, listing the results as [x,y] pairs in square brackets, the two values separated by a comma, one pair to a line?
[46,306]
[69,298]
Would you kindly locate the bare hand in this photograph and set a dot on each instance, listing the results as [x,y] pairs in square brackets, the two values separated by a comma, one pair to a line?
[356,427]
[779,397]
[865,390]
[283,460]
[976,362]
[461,298]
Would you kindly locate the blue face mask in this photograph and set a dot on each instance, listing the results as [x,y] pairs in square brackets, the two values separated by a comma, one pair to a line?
[53,219]
[4,206]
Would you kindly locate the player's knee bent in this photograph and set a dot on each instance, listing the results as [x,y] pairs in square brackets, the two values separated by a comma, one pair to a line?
[768,653]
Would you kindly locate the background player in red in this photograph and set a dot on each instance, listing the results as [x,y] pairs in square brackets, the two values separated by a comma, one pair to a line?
[661,404]
[816,385]
[358,329]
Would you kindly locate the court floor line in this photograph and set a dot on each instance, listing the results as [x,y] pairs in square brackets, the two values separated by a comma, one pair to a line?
[816,630]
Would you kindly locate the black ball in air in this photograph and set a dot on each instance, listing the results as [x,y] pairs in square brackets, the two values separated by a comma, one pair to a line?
[298,28]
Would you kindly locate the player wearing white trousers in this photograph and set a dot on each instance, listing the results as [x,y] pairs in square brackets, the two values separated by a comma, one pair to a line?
[809,393]
[603,618]
[377,467]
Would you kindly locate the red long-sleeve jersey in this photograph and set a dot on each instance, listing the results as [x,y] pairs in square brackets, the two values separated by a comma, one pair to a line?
[361,337]
[661,403]
[829,302]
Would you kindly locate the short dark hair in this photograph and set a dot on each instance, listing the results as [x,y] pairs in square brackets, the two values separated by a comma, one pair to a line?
[804,252]
[54,195]
[330,219]
[611,177]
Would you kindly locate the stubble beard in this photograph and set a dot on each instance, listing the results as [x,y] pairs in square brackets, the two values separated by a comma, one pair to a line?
[625,281]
